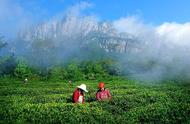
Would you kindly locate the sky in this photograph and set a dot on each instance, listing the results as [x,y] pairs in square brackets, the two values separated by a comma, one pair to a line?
[162,25]
[16,13]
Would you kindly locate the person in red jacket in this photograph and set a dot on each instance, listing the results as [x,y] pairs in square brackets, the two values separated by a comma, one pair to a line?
[78,95]
[102,93]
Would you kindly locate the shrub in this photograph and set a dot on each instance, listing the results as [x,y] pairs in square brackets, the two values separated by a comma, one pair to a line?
[22,69]
[74,72]
[58,73]
[93,70]
[7,65]
[111,67]
[7,62]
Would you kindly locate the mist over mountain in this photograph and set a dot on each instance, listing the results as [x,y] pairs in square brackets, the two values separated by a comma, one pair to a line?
[73,36]
[143,51]
[140,50]
[80,31]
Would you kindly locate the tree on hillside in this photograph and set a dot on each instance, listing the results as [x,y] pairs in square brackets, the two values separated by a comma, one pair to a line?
[7,62]
[2,43]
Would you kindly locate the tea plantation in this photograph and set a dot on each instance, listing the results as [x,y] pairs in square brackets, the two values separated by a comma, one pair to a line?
[132,102]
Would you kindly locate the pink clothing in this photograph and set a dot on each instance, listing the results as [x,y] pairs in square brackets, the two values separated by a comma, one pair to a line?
[103,95]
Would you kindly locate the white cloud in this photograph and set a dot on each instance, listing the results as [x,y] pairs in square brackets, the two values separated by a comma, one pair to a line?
[134,25]
[77,8]
[174,33]
[13,17]
[178,34]
[168,44]
[131,24]
[8,9]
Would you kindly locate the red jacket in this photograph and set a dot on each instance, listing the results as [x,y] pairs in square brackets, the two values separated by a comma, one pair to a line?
[103,95]
[76,95]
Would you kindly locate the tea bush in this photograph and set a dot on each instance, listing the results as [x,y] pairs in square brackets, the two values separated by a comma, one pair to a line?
[132,102]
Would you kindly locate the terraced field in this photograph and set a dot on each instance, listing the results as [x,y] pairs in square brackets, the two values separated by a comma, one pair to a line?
[132,102]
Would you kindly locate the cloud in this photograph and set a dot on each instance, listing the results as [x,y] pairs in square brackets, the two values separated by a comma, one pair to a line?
[11,17]
[10,14]
[15,15]
[178,34]
[166,46]
[7,10]
[134,25]
[78,8]
[71,22]
[174,33]
[130,25]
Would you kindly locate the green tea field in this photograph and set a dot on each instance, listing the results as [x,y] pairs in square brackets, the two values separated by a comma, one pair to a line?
[132,102]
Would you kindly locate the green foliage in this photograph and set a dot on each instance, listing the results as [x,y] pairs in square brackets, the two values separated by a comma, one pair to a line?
[93,70]
[2,43]
[58,73]
[22,69]
[74,72]
[7,65]
[7,62]
[47,102]
[111,67]
[90,70]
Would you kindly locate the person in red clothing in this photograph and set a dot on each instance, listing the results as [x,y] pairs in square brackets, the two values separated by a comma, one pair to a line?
[103,94]
[78,95]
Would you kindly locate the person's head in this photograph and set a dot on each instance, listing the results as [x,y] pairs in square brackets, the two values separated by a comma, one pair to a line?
[101,85]
[82,88]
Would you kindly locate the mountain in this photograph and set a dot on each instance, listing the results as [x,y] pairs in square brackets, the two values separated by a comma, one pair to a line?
[79,32]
